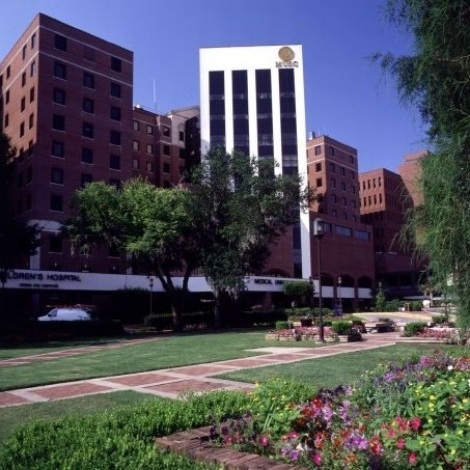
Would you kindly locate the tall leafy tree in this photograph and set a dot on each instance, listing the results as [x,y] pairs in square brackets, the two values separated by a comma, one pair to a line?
[241,206]
[149,223]
[436,78]
[16,237]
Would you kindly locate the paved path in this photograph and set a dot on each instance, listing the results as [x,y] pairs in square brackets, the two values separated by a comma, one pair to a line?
[176,381]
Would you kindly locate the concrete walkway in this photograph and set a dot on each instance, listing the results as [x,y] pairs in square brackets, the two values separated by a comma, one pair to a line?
[174,382]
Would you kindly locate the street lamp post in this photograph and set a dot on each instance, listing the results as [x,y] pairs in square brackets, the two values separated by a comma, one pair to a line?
[318,234]
[150,278]
[340,303]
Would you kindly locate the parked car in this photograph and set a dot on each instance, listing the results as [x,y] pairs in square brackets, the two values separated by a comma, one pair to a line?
[66,314]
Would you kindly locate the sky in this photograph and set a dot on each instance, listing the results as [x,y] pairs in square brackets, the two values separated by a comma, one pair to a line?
[348,96]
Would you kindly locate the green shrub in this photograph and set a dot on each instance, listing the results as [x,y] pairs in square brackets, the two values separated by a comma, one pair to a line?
[282,325]
[122,439]
[341,327]
[414,328]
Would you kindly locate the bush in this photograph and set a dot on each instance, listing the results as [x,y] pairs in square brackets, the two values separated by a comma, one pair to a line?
[282,325]
[414,328]
[341,327]
[122,439]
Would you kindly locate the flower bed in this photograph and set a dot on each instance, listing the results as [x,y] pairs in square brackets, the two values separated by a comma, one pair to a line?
[416,415]
[301,333]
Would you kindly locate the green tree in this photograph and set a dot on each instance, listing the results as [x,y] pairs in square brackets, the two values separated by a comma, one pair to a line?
[436,78]
[151,224]
[16,237]
[301,291]
[241,206]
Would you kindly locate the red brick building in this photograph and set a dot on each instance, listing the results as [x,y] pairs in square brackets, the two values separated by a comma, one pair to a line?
[347,257]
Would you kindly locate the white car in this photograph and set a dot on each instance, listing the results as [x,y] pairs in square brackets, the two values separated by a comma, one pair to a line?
[66,314]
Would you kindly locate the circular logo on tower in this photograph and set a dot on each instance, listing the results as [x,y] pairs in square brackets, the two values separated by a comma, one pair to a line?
[286,53]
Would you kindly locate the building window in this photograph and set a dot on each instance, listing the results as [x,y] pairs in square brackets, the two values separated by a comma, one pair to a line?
[149,149]
[115,90]
[342,171]
[166,131]
[87,130]
[166,168]
[23,104]
[116,64]
[58,96]
[22,129]
[181,136]
[150,167]
[56,203]
[7,97]
[332,167]
[136,125]
[32,68]
[7,120]
[30,148]
[31,95]
[88,106]
[60,71]
[115,113]
[319,182]
[331,150]
[87,155]
[23,79]
[136,145]
[333,183]
[115,137]
[33,41]
[345,202]
[149,130]
[317,149]
[317,166]
[86,179]
[343,186]
[88,80]
[135,164]
[31,120]
[115,162]
[89,53]
[166,149]
[333,198]
[8,72]
[58,122]
[55,244]
[57,175]
[24,52]
[60,42]
[58,149]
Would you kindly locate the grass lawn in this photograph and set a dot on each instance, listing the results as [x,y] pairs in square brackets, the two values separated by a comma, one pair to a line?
[181,350]
[164,352]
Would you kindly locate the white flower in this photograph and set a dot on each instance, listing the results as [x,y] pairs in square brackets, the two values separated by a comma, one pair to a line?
[450,367]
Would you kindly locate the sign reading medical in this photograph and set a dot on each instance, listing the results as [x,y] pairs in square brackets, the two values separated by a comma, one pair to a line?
[287,56]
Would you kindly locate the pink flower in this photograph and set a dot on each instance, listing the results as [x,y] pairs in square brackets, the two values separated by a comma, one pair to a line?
[415,423]
[317,460]
[412,459]
[401,443]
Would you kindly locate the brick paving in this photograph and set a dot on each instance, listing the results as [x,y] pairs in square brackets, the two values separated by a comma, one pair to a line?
[176,381]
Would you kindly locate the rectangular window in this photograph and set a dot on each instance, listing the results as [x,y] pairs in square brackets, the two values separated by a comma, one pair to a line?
[30,148]
[166,149]
[87,155]
[89,53]
[88,106]
[88,130]
[55,244]
[344,231]
[166,168]
[88,80]
[136,145]
[58,149]
[32,68]
[23,79]
[115,137]
[24,52]
[115,90]
[86,179]
[317,149]
[319,183]
[60,71]
[149,149]
[7,97]
[58,122]
[150,167]
[31,120]
[115,162]
[135,164]
[22,104]
[60,42]
[166,131]
[56,203]
[57,175]
[33,41]
[136,125]
[58,96]
[181,136]
[22,129]
[8,72]
[115,113]
[31,95]
[116,64]
[317,166]
[149,130]
[7,120]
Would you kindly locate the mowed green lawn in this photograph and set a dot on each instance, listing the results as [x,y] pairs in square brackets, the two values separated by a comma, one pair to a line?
[182,350]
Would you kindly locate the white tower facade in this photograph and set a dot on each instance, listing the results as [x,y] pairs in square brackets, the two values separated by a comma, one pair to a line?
[252,100]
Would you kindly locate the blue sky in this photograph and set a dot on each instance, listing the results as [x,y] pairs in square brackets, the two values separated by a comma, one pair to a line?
[348,97]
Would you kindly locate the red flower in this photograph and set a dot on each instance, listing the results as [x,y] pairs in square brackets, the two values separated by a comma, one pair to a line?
[415,423]
[401,443]
[412,459]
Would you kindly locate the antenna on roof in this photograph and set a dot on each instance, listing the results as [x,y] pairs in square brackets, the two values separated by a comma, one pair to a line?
[154,95]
